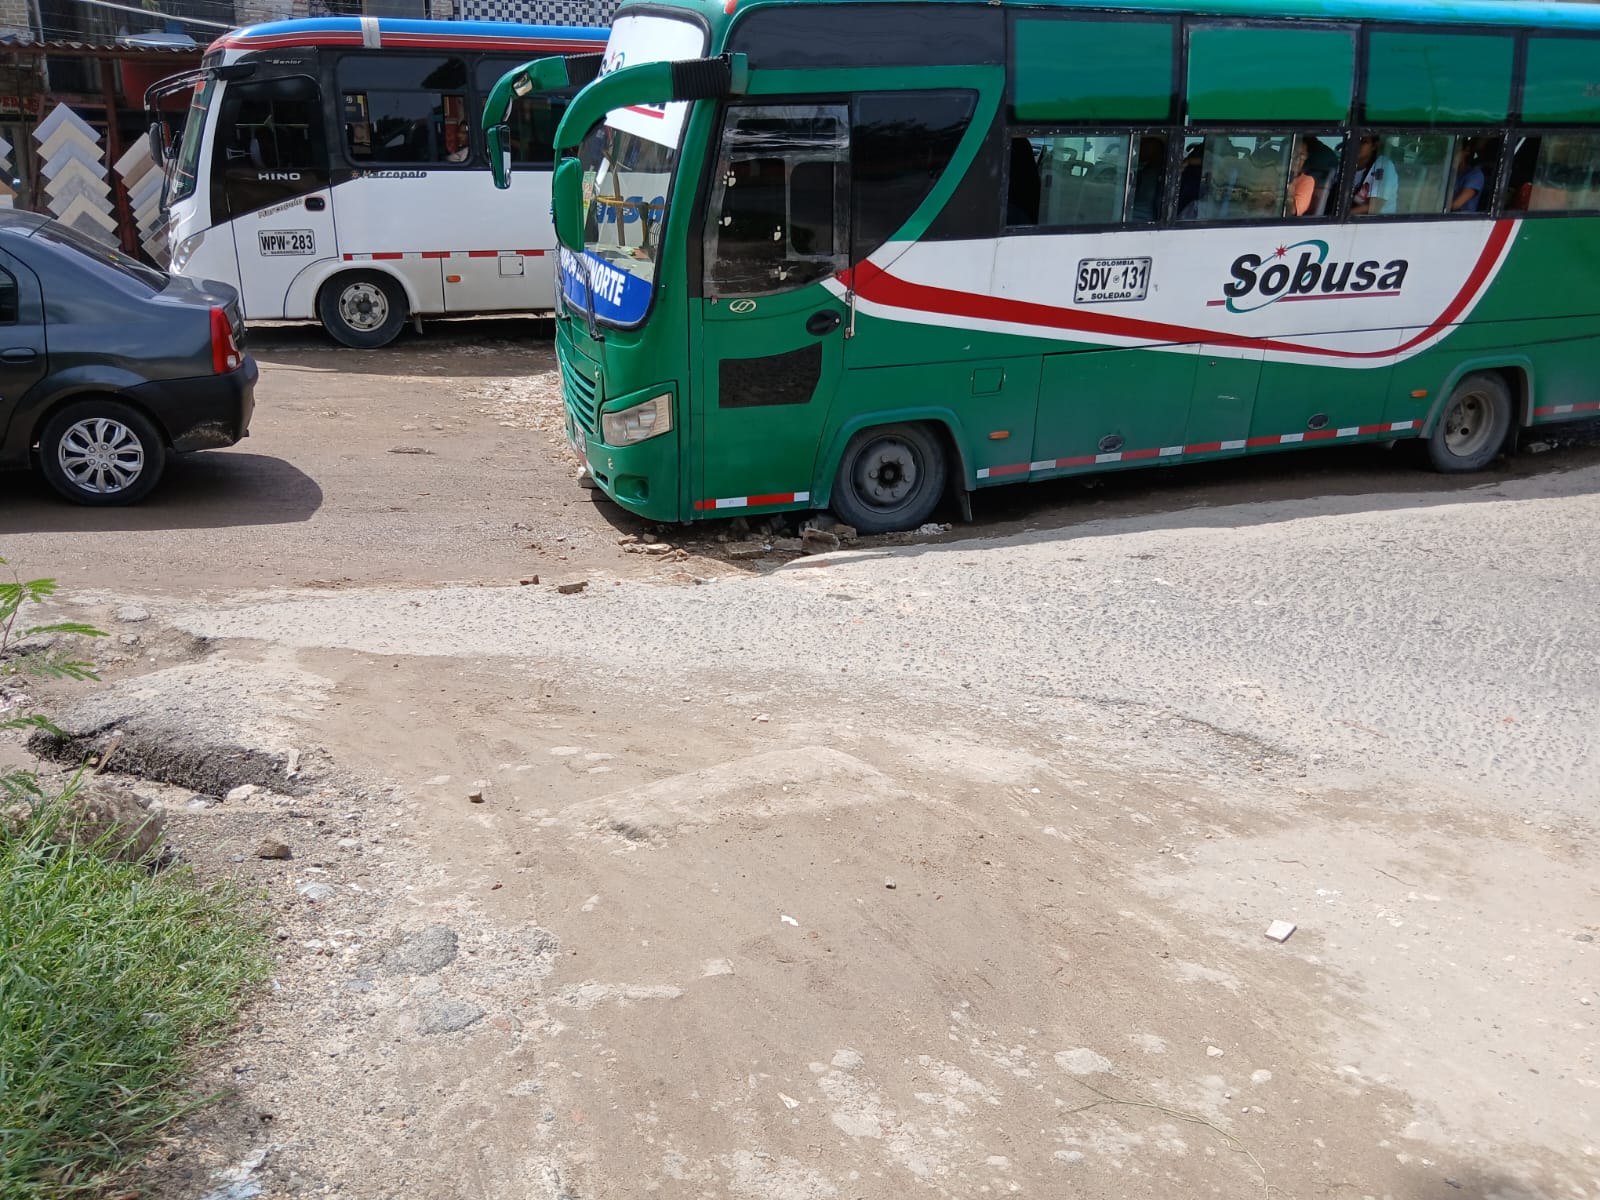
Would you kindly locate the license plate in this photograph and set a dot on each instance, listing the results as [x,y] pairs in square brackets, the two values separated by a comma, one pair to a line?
[1109,280]
[580,444]
[287,241]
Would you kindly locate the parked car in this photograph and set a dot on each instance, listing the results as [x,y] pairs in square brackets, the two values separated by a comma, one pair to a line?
[108,366]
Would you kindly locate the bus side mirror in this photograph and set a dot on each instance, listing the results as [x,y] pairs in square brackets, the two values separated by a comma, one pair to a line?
[566,203]
[158,141]
[500,155]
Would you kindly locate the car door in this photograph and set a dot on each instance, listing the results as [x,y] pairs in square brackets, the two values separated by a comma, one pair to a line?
[23,357]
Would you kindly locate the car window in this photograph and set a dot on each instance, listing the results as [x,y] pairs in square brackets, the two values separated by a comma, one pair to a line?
[123,264]
[8,298]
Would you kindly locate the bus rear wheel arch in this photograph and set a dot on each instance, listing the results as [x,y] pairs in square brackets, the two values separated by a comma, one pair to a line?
[890,477]
[1473,424]
[362,309]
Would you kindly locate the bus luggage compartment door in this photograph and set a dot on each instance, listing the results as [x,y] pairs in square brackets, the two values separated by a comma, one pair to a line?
[272,157]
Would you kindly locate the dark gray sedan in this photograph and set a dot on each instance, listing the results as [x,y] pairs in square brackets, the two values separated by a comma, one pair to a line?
[107,366]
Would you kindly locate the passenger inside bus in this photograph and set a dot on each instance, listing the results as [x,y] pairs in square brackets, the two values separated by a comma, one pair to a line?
[1467,183]
[1301,189]
[1377,182]
[1022,194]
[1149,178]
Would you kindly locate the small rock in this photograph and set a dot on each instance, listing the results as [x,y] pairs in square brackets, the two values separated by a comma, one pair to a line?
[890,883]
[1260,1076]
[819,541]
[314,891]
[475,797]
[348,844]
[1449,1182]
[433,949]
[528,580]
[1069,1156]
[1534,448]
[573,588]
[409,450]
[1083,1061]
[449,1016]
[846,533]
[746,550]
[243,792]
[132,614]
[931,529]
[1584,937]
[761,718]
[1214,1052]
[1281,931]
[291,768]
[129,639]
[273,848]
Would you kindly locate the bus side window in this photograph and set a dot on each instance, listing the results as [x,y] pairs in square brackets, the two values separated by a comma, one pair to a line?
[1566,173]
[401,108]
[778,210]
[1242,177]
[901,143]
[532,120]
[1082,180]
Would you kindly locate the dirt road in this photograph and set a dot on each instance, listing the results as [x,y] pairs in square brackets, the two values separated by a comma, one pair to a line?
[936,869]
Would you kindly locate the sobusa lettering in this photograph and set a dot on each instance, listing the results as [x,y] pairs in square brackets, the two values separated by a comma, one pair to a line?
[1259,281]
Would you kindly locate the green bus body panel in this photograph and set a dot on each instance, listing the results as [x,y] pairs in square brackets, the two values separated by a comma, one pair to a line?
[1111,71]
[1439,78]
[1271,75]
[1563,82]
[1017,406]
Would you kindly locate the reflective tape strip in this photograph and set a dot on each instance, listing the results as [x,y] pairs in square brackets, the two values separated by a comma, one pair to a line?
[389,255]
[1561,410]
[371,38]
[1195,448]
[751,501]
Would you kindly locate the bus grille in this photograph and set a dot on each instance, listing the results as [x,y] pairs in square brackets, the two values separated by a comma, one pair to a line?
[577,390]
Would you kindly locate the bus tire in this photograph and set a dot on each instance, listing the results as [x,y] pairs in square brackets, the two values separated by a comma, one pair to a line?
[890,478]
[101,452]
[1473,425]
[362,309]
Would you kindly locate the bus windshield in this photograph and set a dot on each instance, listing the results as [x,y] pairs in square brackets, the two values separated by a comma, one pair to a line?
[628,163]
[188,172]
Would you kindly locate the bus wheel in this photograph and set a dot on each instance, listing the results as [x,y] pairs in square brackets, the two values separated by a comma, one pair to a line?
[889,479]
[363,309]
[1473,426]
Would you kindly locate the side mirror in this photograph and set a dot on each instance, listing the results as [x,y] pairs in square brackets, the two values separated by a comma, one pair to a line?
[566,203]
[158,141]
[500,155]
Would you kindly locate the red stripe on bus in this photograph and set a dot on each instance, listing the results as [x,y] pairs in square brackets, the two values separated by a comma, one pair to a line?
[1015,469]
[874,284]
[483,254]
[436,254]
[1561,410]
[647,112]
[388,255]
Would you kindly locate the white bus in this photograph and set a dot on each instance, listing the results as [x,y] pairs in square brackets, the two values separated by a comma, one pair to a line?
[334,169]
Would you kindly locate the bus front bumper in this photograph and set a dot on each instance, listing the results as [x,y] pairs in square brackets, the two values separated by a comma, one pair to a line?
[642,477]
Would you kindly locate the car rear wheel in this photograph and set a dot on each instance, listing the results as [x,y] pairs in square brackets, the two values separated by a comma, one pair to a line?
[362,309]
[101,452]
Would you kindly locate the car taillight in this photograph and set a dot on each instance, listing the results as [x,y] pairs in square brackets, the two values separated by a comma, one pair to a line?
[225,355]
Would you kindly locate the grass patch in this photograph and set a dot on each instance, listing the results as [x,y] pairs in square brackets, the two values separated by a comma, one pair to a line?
[111,979]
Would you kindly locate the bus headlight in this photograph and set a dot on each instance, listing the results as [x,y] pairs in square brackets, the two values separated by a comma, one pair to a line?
[639,423]
[185,250]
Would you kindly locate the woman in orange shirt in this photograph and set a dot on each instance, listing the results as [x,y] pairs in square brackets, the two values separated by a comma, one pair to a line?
[1301,186]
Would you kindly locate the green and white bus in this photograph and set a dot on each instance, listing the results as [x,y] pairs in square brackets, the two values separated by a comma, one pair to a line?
[864,254]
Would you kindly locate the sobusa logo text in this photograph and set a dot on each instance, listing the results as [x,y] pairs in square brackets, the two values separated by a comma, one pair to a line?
[1307,275]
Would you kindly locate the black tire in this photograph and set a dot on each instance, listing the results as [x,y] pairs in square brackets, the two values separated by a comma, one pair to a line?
[102,452]
[890,478]
[1473,424]
[362,309]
